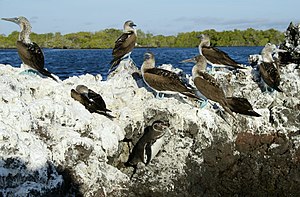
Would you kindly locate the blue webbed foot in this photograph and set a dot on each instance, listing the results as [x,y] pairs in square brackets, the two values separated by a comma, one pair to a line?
[269,89]
[159,97]
[202,103]
[30,72]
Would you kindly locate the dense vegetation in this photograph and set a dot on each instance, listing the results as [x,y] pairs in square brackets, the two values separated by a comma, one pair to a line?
[107,37]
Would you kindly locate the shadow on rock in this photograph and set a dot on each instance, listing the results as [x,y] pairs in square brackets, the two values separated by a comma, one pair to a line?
[264,165]
[17,178]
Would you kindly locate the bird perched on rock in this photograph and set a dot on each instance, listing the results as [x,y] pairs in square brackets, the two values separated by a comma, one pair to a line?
[268,69]
[163,81]
[208,85]
[124,44]
[30,53]
[149,144]
[214,56]
[91,100]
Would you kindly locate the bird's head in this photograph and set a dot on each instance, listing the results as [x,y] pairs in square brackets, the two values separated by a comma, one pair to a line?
[21,21]
[160,125]
[129,26]
[204,40]
[82,89]
[148,56]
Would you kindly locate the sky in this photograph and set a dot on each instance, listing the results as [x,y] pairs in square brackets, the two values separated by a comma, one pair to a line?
[159,17]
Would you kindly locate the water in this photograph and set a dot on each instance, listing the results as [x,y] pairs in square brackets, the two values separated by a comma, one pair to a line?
[70,62]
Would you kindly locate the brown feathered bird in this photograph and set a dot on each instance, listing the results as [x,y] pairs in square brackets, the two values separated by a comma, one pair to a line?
[30,53]
[163,81]
[268,68]
[208,85]
[92,101]
[124,44]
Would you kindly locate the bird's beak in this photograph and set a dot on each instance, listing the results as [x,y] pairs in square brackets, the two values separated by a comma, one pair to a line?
[14,20]
[280,50]
[133,25]
[200,36]
[189,60]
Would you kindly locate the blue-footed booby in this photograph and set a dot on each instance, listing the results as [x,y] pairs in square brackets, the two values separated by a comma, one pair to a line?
[124,44]
[161,80]
[30,53]
[145,149]
[208,85]
[268,68]
[92,101]
[215,57]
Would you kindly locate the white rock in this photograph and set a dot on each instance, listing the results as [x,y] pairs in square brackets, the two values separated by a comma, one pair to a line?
[43,127]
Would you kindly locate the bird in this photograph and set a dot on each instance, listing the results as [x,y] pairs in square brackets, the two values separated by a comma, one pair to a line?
[29,52]
[161,80]
[241,106]
[268,69]
[149,144]
[208,85]
[214,56]
[124,44]
[92,101]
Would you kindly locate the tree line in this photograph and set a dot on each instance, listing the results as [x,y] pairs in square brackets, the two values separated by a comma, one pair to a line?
[106,38]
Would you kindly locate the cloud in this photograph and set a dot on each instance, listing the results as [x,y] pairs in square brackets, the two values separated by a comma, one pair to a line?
[227,24]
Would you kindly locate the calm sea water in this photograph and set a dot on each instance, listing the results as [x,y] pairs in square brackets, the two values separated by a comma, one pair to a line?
[66,63]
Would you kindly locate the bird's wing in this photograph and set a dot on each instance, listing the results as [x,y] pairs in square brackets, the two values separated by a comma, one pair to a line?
[216,56]
[209,87]
[124,44]
[270,74]
[97,100]
[31,54]
[164,80]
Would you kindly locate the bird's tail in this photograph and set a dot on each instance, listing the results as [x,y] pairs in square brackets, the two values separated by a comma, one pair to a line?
[193,60]
[191,94]
[114,64]
[226,107]
[104,113]
[277,89]
[235,103]
[48,74]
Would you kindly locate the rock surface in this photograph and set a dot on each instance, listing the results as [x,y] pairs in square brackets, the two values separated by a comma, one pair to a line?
[291,44]
[51,145]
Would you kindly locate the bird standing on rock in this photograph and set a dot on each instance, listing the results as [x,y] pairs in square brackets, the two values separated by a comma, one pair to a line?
[148,145]
[268,68]
[124,44]
[163,81]
[30,53]
[208,85]
[214,56]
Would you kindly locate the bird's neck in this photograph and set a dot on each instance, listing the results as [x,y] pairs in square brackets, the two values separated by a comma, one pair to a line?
[147,65]
[130,30]
[200,49]
[267,57]
[197,69]
[203,43]
[24,34]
